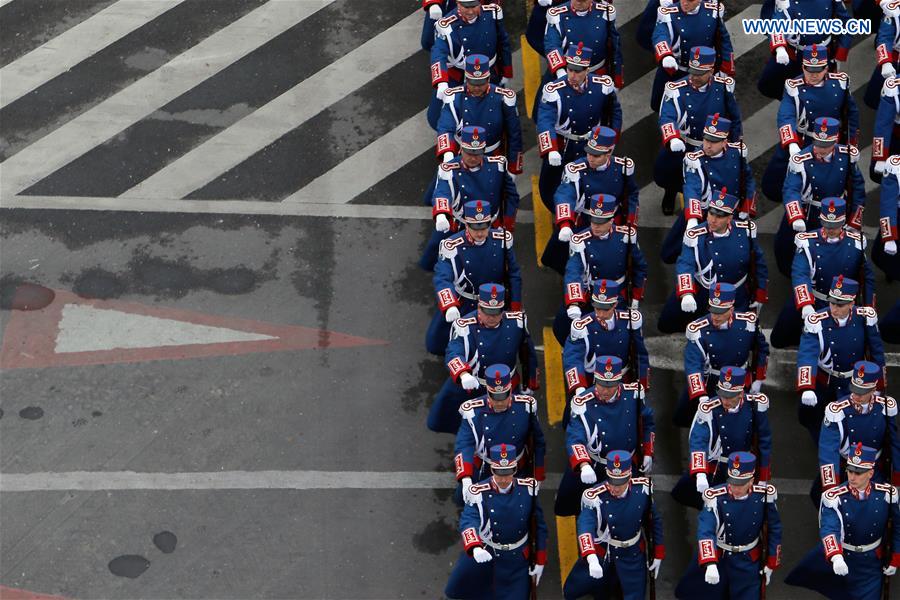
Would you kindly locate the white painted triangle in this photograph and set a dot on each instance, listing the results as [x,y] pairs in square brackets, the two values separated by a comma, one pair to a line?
[84,328]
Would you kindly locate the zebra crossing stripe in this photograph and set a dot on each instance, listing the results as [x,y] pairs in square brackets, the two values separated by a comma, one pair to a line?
[265,125]
[63,52]
[163,85]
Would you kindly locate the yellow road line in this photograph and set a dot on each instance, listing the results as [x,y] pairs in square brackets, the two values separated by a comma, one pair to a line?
[566,546]
[543,220]
[531,73]
[553,372]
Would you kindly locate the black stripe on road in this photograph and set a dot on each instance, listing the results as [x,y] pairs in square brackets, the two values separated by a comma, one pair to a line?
[28,24]
[147,146]
[114,68]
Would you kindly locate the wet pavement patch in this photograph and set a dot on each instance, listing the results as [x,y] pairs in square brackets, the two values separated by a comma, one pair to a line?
[96,413]
[32,413]
[436,537]
[129,565]
[21,295]
[99,284]
[165,541]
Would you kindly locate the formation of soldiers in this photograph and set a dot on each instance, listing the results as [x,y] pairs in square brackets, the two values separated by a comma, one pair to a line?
[721,285]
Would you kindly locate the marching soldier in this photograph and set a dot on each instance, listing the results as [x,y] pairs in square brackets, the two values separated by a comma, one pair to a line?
[605,332]
[863,417]
[823,170]
[467,260]
[822,255]
[683,115]
[720,250]
[467,177]
[720,165]
[817,93]
[487,336]
[680,28]
[854,533]
[738,537]
[887,50]
[434,11]
[886,134]
[885,252]
[469,29]
[611,538]
[787,50]
[602,251]
[647,23]
[537,23]
[598,172]
[610,415]
[500,416]
[721,338]
[733,421]
[569,109]
[501,530]
[833,340]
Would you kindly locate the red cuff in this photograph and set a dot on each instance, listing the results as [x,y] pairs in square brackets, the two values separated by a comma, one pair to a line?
[669,132]
[441,207]
[507,71]
[698,463]
[564,214]
[574,294]
[438,75]
[762,295]
[470,540]
[706,552]
[546,143]
[539,473]
[765,473]
[457,367]
[637,293]
[882,54]
[831,546]
[696,386]
[647,447]
[579,455]
[749,206]
[895,478]
[895,559]
[685,285]
[773,562]
[445,143]
[802,296]
[804,379]
[879,151]
[515,167]
[793,211]
[541,557]
[619,81]
[693,209]
[515,306]
[760,372]
[728,67]
[574,380]
[586,544]
[463,468]
[777,41]
[509,223]
[659,552]
[855,221]
[426,4]
[446,298]
[645,381]
[841,54]
[788,136]
[662,50]
[533,383]
[555,61]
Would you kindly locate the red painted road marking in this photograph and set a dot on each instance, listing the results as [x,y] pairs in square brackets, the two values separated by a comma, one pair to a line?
[35,338]
[8,593]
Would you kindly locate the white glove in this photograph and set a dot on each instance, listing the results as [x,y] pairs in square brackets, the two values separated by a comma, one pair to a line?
[688,304]
[743,216]
[554,158]
[565,234]
[768,573]
[702,399]
[579,391]
[441,223]
[809,398]
[889,571]
[756,386]
[879,166]
[838,565]
[691,223]
[647,464]
[782,4]
[545,2]
[806,311]
[888,70]
[468,381]
[702,483]
[712,575]
[441,88]
[594,567]
[781,56]
[434,12]
[588,476]
[481,555]
[560,73]
[635,304]
[799,225]
[669,63]
[504,82]
[448,156]
[793,148]
[890,247]
[573,312]
[654,567]
[452,314]
[755,306]
[676,145]
[762,482]
[536,571]
[467,496]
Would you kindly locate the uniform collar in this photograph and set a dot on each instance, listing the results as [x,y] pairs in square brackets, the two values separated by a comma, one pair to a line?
[471,242]
[860,494]
[841,322]
[828,241]
[497,489]
[827,158]
[737,497]
[723,235]
[613,399]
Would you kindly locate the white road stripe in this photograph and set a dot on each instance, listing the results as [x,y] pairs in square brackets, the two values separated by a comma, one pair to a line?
[93,481]
[66,50]
[4,2]
[265,125]
[160,87]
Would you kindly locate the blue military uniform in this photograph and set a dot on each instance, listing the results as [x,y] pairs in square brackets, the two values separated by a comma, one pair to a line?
[886,133]
[888,208]
[817,261]
[458,184]
[801,105]
[566,117]
[428,23]
[887,50]
[717,432]
[455,40]
[580,182]
[464,266]
[709,349]
[595,425]
[771,80]
[707,258]
[730,540]
[498,522]
[483,426]
[683,116]
[854,534]
[829,349]
[590,338]
[677,33]
[537,23]
[473,346]
[613,535]
[647,23]
[728,170]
